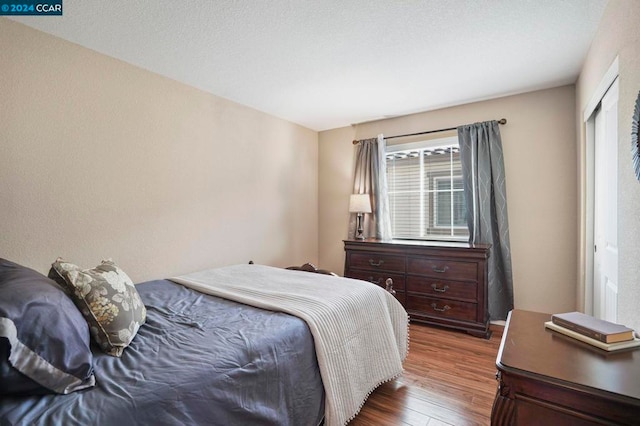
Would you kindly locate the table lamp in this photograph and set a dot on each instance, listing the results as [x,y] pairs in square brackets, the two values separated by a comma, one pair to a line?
[360,204]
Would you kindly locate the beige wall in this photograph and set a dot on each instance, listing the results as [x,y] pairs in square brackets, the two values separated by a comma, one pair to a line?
[101,159]
[618,35]
[540,161]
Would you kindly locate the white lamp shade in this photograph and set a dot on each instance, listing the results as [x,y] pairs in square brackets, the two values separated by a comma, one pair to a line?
[360,203]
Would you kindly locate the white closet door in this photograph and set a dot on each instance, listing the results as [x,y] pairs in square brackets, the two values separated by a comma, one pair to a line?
[605,288]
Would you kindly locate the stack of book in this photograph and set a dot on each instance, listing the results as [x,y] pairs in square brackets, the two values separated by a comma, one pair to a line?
[596,332]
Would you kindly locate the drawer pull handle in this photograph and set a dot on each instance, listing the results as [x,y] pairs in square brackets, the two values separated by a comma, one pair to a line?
[440,271]
[444,309]
[435,287]
[378,281]
[376,264]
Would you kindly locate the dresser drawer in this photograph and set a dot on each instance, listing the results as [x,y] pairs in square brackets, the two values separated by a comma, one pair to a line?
[375,261]
[443,268]
[443,288]
[378,277]
[441,308]
[400,297]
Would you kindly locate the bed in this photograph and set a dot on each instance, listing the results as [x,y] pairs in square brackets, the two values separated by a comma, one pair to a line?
[203,359]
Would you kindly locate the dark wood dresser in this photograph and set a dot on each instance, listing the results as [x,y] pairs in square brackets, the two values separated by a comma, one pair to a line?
[441,283]
[546,378]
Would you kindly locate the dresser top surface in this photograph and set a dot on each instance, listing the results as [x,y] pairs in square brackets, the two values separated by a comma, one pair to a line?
[419,243]
[530,349]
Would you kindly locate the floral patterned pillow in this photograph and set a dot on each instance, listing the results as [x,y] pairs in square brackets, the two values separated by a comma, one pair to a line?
[107,299]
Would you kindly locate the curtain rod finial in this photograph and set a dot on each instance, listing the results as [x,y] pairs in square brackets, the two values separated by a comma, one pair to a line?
[502,121]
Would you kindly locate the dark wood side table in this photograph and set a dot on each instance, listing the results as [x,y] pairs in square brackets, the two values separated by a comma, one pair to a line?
[549,379]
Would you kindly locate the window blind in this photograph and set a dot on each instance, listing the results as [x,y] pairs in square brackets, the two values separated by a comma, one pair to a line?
[426,196]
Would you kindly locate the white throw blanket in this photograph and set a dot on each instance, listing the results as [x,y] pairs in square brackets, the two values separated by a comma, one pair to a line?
[360,330]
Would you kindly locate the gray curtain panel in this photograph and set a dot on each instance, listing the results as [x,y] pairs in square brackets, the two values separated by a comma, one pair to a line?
[370,177]
[486,197]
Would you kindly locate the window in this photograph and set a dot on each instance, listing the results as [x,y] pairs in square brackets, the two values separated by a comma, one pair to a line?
[449,202]
[426,196]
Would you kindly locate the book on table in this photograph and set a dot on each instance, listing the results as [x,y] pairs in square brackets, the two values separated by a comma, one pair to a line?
[604,331]
[593,342]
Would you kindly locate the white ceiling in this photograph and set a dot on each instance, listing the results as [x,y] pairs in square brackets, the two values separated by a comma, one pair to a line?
[330,63]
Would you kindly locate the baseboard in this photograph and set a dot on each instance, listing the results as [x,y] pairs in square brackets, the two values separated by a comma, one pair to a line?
[497,326]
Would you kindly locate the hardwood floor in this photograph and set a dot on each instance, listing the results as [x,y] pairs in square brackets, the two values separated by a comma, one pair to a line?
[449,379]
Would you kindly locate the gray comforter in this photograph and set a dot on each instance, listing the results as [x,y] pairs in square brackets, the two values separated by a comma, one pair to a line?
[199,360]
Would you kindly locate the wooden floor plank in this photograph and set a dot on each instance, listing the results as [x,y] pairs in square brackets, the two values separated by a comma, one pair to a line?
[449,379]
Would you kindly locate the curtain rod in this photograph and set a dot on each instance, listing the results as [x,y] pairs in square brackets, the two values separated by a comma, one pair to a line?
[501,121]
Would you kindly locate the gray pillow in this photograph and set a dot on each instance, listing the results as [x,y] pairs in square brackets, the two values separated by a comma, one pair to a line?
[107,299]
[44,341]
